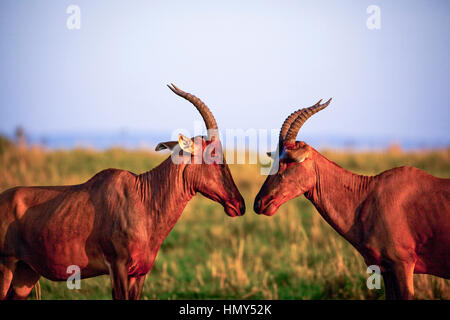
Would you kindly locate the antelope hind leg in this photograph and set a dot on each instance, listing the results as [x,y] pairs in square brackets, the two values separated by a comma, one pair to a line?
[23,281]
[7,267]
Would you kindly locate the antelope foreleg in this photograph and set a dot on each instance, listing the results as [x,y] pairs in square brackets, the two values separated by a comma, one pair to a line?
[389,285]
[119,281]
[136,284]
[398,282]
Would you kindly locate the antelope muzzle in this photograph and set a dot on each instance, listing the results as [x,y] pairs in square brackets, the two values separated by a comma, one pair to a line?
[235,207]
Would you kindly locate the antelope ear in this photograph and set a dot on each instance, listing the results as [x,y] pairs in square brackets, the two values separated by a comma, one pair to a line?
[302,154]
[186,143]
[166,145]
[272,154]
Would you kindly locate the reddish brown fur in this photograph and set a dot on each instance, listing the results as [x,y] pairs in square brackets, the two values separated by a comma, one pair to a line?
[113,224]
[399,219]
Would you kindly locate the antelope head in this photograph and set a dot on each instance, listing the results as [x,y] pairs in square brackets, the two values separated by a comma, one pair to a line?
[295,173]
[204,164]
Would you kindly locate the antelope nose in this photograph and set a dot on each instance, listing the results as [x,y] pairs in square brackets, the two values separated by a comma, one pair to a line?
[257,205]
[242,208]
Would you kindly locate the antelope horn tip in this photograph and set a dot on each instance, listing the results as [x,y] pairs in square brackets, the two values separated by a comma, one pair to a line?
[175,89]
[328,102]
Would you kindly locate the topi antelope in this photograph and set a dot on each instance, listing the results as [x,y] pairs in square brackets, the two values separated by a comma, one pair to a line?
[114,223]
[398,220]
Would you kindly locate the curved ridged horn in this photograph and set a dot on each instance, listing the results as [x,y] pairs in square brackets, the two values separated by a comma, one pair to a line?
[302,116]
[207,115]
[288,122]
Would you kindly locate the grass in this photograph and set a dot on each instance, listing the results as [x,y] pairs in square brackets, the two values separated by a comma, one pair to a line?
[292,255]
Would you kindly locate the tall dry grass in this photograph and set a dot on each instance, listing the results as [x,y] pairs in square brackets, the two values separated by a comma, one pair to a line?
[292,255]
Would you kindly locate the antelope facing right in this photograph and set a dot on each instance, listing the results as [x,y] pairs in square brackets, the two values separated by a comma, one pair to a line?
[398,220]
[114,223]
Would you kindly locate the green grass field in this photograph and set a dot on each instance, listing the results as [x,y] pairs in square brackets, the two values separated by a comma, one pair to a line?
[208,255]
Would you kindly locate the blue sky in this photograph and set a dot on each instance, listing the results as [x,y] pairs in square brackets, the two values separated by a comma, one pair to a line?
[252,62]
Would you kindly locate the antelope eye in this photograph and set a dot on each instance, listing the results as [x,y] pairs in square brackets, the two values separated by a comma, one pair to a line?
[286,164]
[290,161]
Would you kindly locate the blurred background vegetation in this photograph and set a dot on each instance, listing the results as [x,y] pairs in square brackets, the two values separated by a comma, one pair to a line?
[208,255]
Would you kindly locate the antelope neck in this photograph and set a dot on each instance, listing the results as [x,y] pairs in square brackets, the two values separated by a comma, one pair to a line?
[165,191]
[338,195]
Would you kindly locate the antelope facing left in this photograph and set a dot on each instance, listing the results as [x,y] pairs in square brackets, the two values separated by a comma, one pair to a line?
[398,220]
[114,223]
